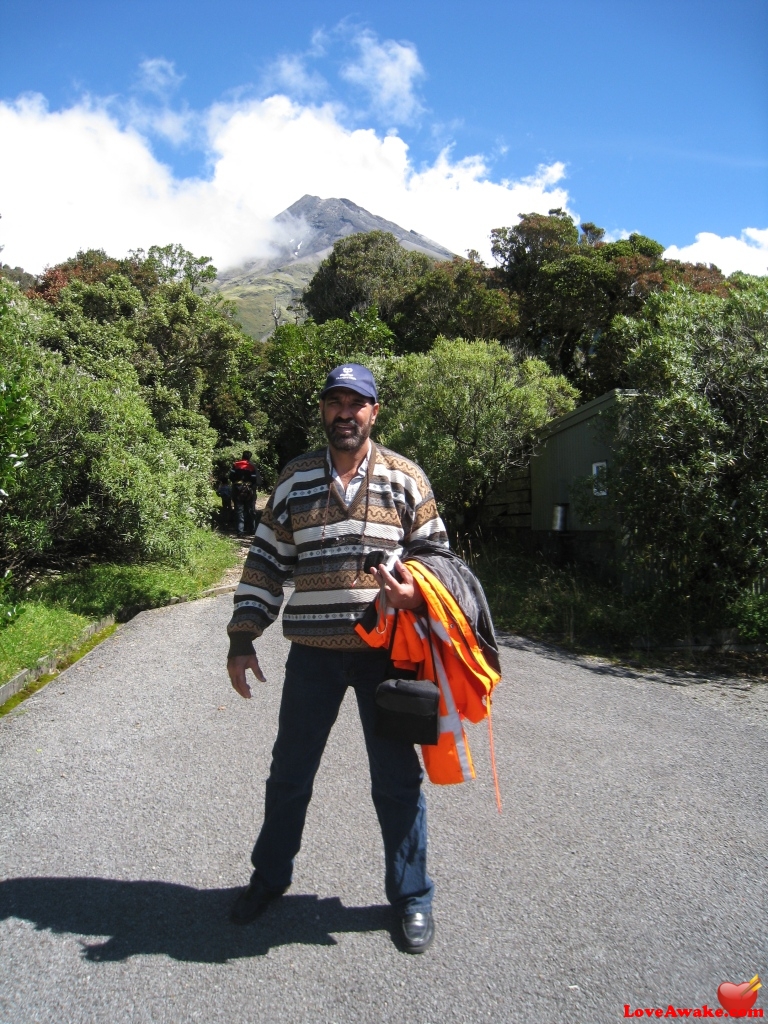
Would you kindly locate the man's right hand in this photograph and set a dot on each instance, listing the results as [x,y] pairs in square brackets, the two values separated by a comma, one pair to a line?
[237,668]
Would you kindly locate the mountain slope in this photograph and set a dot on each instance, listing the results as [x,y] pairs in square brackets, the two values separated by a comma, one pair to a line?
[308,230]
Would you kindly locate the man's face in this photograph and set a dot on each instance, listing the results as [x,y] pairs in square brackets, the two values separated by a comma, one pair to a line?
[347,418]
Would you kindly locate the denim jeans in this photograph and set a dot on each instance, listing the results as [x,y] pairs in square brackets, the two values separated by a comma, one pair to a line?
[315,683]
[245,518]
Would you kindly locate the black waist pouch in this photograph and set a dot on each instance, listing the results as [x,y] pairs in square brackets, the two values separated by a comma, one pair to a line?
[408,709]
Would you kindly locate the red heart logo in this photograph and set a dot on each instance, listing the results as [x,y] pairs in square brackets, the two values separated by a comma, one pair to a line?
[737,999]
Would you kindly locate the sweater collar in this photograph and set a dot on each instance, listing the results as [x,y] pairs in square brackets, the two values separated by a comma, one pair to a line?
[335,489]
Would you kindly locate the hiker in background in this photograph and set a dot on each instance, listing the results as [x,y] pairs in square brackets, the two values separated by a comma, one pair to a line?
[245,479]
[224,491]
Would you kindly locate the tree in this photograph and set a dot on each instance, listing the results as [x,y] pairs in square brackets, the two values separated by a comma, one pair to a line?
[363,270]
[18,275]
[569,287]
[689,483]
[521,251]
[174,264]
[191,344]
[153,311]
[90,266]
[454,299]
[299,357]
[468,412]
[100,478]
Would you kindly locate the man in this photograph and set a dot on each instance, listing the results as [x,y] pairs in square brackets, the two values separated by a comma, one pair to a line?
[328,510]
[245,478]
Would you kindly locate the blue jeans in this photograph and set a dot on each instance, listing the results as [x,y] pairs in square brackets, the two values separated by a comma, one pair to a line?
[245,518]
[315,683]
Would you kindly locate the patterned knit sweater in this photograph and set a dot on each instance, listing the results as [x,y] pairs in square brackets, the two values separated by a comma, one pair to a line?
[308,532]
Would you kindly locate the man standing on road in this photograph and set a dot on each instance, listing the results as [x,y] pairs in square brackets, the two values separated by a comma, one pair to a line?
[328,510]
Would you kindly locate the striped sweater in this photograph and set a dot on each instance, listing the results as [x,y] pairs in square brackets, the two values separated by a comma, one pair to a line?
[308,532]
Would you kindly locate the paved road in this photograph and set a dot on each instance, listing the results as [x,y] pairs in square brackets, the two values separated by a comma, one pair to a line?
[628,866]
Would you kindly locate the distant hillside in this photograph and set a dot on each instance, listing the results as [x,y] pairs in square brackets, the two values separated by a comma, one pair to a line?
[310,228]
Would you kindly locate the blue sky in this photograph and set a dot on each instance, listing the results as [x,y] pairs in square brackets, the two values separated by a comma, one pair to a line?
[196,122]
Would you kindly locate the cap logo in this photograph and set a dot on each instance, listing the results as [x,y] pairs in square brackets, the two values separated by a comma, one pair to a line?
[356,378]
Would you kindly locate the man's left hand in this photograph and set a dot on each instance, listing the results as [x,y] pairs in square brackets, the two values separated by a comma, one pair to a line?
[398,595]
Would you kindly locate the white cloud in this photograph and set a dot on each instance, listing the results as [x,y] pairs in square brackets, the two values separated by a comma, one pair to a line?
[149,109]
[290,74]
[175,126]
[388,71]
[77,178]
[748,253]
[159,77]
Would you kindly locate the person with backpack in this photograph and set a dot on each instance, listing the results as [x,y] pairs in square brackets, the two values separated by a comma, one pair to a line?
[245,479]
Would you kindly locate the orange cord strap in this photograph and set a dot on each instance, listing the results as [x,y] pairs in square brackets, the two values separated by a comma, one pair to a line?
[493,757]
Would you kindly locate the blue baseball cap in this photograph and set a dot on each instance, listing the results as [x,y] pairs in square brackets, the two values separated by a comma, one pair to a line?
[353,376]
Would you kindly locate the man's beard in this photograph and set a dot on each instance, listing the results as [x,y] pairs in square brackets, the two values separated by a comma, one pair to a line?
[346,440]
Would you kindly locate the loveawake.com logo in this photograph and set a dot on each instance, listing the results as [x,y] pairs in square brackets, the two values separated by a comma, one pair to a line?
[735,1001]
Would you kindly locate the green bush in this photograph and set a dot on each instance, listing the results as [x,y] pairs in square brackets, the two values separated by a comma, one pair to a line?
[467,412]
[749,614]
[15,407]
[298,358]
[100,477]
[689,482]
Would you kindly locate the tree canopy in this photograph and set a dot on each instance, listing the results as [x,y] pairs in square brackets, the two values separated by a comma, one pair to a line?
[363,270]
[689,484]
[553,294]
[569,286]
[454,299]
[468,412]
[120,380]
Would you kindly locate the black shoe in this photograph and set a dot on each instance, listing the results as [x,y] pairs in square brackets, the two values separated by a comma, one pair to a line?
[252,901]
[417,931]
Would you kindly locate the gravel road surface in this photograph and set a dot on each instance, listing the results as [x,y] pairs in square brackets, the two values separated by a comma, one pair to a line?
[628,865]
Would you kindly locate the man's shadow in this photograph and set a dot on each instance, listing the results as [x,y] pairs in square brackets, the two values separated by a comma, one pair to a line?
[178,920]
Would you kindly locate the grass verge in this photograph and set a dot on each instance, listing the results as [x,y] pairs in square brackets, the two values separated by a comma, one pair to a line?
[55,612]
[42,681]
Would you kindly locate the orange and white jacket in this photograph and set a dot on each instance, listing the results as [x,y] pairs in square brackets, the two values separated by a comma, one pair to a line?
[453,659]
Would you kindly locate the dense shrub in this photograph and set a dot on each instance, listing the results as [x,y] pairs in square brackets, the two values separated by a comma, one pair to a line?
[154,310]
[15,407]
[468,412]
[690,478]
[363,270]
[298,358]
[100,477]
